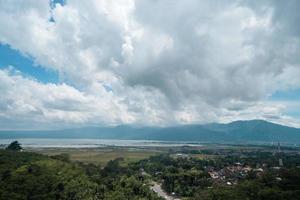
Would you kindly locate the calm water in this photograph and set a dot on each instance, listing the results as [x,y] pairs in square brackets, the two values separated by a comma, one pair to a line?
[91,143]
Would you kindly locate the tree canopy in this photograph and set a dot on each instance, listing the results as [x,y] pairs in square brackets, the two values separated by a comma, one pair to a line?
[14,146]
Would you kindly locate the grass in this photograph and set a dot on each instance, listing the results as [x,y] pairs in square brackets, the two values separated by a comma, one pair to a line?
[101,156]
[202,156]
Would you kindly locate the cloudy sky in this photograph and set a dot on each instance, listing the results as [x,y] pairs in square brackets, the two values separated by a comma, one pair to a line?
[148,62]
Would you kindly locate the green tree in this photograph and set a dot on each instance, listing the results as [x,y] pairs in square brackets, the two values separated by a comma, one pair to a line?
[14,146]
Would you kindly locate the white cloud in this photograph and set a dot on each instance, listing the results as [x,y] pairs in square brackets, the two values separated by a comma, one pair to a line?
[55,105]
[166,62]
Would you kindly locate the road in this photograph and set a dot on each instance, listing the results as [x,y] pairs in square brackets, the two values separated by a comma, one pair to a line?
[159,191]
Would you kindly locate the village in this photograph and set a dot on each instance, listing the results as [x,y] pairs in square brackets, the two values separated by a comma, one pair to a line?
[233,173]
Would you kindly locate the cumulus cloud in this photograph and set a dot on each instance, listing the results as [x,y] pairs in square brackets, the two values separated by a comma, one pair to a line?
[28,103]
[150,62]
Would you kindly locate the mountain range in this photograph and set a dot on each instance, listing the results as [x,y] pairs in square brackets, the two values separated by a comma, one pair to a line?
[252,131]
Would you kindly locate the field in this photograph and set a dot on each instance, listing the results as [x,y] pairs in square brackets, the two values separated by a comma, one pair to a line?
[100,156]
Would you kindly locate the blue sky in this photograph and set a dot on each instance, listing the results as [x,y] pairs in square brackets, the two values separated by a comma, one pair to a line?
[289,95]
[116,62]
[53,2]
[293,96]
[25,64]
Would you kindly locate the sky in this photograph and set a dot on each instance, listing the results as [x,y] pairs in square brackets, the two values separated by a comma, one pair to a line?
[74,63]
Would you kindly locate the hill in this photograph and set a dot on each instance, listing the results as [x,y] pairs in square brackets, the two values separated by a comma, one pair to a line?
[26,175]
[251,131]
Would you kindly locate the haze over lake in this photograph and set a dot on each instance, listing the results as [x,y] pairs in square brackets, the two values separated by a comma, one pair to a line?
[92,143]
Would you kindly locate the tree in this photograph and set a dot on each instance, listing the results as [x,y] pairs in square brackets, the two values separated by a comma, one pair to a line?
[14,146]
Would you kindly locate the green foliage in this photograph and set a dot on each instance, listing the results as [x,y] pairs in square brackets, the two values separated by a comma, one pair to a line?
[130,188]
[14,146]
[46,179]
[63,157]
[185,183]
[33,176]
[263,188]
[187,177]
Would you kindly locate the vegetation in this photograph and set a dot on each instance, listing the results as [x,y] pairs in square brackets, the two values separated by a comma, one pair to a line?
[182,172]
[14,146]
[188,177]
[101,156]
[26,175]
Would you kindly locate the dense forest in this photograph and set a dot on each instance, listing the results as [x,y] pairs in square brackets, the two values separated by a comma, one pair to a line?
[32,176]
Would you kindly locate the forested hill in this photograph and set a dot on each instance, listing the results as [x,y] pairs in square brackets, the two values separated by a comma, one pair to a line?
[235,132]
[25,175]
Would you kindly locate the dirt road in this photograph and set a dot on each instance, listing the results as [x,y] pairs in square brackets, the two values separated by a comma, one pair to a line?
[159,191]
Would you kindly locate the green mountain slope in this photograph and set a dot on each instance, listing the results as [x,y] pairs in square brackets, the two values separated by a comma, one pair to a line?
[235,132]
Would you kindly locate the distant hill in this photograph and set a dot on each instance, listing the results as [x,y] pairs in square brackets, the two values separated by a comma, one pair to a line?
[252,131]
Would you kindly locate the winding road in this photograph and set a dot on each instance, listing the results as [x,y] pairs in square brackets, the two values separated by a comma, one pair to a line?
[159,191]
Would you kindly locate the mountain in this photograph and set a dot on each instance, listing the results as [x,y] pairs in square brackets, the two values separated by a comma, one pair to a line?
[252,131]
[258,131]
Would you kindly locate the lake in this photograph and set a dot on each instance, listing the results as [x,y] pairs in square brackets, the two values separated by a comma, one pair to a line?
[92,143]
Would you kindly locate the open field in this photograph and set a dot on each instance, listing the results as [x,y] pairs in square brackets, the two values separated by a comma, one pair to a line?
[100,156]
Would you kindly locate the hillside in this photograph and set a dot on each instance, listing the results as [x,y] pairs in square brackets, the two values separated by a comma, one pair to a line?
[25,175]
[235,132]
